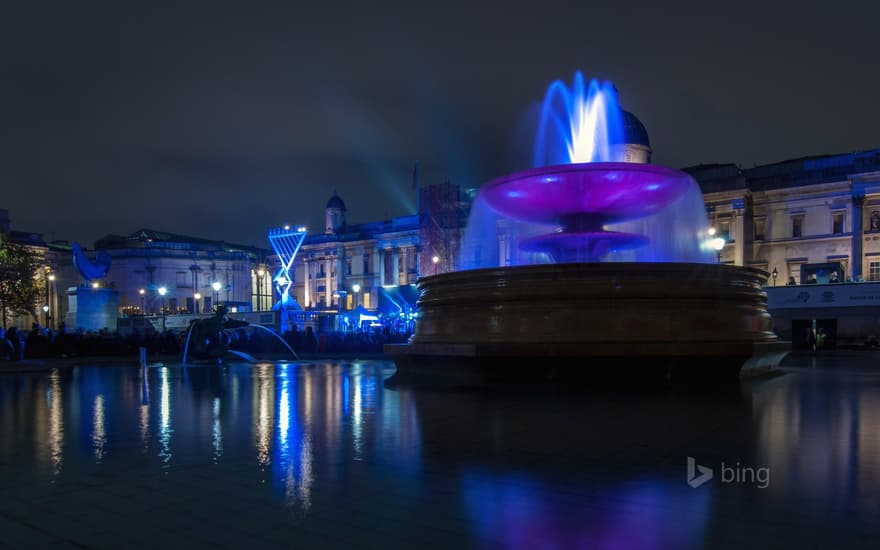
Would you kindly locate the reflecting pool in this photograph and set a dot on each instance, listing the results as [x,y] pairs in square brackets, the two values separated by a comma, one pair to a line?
[317,455]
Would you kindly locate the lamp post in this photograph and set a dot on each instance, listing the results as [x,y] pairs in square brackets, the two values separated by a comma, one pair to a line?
[260,272]
[774,274]
[50,279]
[718,245]
[142,292]
[162,292]
[435,260]
[197,297]
[356,288]
[216,286]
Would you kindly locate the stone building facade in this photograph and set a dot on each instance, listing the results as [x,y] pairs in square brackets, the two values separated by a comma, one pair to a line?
[795,215]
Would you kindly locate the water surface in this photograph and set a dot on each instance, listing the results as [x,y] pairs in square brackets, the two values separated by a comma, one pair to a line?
[324,455]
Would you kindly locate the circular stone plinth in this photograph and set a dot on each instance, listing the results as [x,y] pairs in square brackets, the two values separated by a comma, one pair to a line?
[659,313]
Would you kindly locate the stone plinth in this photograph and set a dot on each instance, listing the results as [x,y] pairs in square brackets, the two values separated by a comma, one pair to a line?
[92,309]
[660,320]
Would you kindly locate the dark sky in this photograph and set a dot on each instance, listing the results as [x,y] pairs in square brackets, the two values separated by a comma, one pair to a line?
[221,121]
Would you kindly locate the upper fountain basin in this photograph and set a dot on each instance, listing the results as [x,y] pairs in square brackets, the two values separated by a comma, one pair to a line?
[606,191]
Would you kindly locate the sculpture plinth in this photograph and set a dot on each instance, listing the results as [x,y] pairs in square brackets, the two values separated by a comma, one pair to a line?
[590,321]
[92,309]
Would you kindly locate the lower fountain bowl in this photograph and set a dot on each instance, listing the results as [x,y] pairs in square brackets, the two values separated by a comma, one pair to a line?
[646,321]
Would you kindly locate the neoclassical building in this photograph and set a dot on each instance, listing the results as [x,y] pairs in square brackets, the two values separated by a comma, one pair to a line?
[48,310]
[189,269]
[351,265]
[798,217]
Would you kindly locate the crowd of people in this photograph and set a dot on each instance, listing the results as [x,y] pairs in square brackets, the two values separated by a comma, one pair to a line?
[41,343]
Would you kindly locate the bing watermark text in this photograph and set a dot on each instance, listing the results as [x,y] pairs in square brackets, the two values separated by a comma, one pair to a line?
[698,475]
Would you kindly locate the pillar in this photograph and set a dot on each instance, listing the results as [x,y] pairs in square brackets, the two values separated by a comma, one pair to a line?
[377,267]
[403,254]
[858,228]
[328,292]
[395,267]
[739,239]
[307,286]
[380,258]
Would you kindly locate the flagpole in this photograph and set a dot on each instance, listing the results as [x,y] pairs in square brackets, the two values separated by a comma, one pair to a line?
[415,184]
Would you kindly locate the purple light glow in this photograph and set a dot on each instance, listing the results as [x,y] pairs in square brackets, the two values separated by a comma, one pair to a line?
[581,204]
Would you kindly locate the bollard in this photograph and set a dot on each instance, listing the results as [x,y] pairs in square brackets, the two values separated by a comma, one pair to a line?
[143,357]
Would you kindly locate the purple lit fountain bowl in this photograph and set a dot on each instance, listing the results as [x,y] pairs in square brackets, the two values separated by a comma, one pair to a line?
[581,199]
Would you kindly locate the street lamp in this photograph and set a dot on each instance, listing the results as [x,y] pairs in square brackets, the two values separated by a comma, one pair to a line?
[718,245]
[356,288]
[50,277]
[774,274]
[141,291]
[197,297]
[216,286]
[260,272]
[162,292]
[435,260]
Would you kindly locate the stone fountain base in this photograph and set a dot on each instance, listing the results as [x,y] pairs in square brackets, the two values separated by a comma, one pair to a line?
[588,321]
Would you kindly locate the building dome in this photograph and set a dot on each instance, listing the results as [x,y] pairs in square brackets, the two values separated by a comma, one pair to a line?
[336,202]
[634,132]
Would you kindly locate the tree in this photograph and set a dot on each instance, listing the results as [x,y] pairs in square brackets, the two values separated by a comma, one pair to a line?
[20,290]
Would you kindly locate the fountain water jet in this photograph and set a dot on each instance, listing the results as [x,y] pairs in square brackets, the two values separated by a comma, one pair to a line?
[633,276]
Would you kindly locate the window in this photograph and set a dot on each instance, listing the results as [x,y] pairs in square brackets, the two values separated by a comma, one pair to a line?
[797,226]
[182,279]
[366,264]
[348,267]
[794,270]
[759,229]
[874,271]
[837,223]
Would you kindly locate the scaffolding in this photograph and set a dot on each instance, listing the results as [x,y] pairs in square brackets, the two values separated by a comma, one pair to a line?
[443,216]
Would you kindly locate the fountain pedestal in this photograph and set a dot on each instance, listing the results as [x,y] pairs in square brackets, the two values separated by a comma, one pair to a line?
[633,321]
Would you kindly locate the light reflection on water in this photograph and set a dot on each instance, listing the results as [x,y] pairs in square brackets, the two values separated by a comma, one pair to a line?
[99,434]
[165,429]
[523,467]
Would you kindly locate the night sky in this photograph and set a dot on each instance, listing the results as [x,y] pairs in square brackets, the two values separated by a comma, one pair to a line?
[221,122]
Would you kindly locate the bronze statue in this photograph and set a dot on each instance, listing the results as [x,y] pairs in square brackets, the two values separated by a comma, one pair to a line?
[207,336]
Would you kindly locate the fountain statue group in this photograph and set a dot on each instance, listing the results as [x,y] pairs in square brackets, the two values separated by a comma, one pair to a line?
[210,340]
[612,272]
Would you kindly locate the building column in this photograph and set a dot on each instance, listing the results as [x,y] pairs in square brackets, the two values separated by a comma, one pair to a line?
[739,239]
[341,274]
[307,284]
[379,266]
[403,254]
[858,226]
[328,293]
[395,267]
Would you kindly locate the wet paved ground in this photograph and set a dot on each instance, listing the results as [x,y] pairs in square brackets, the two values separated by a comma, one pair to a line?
[322,455]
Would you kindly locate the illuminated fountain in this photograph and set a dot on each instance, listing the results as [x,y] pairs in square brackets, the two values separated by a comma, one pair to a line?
[601,260]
